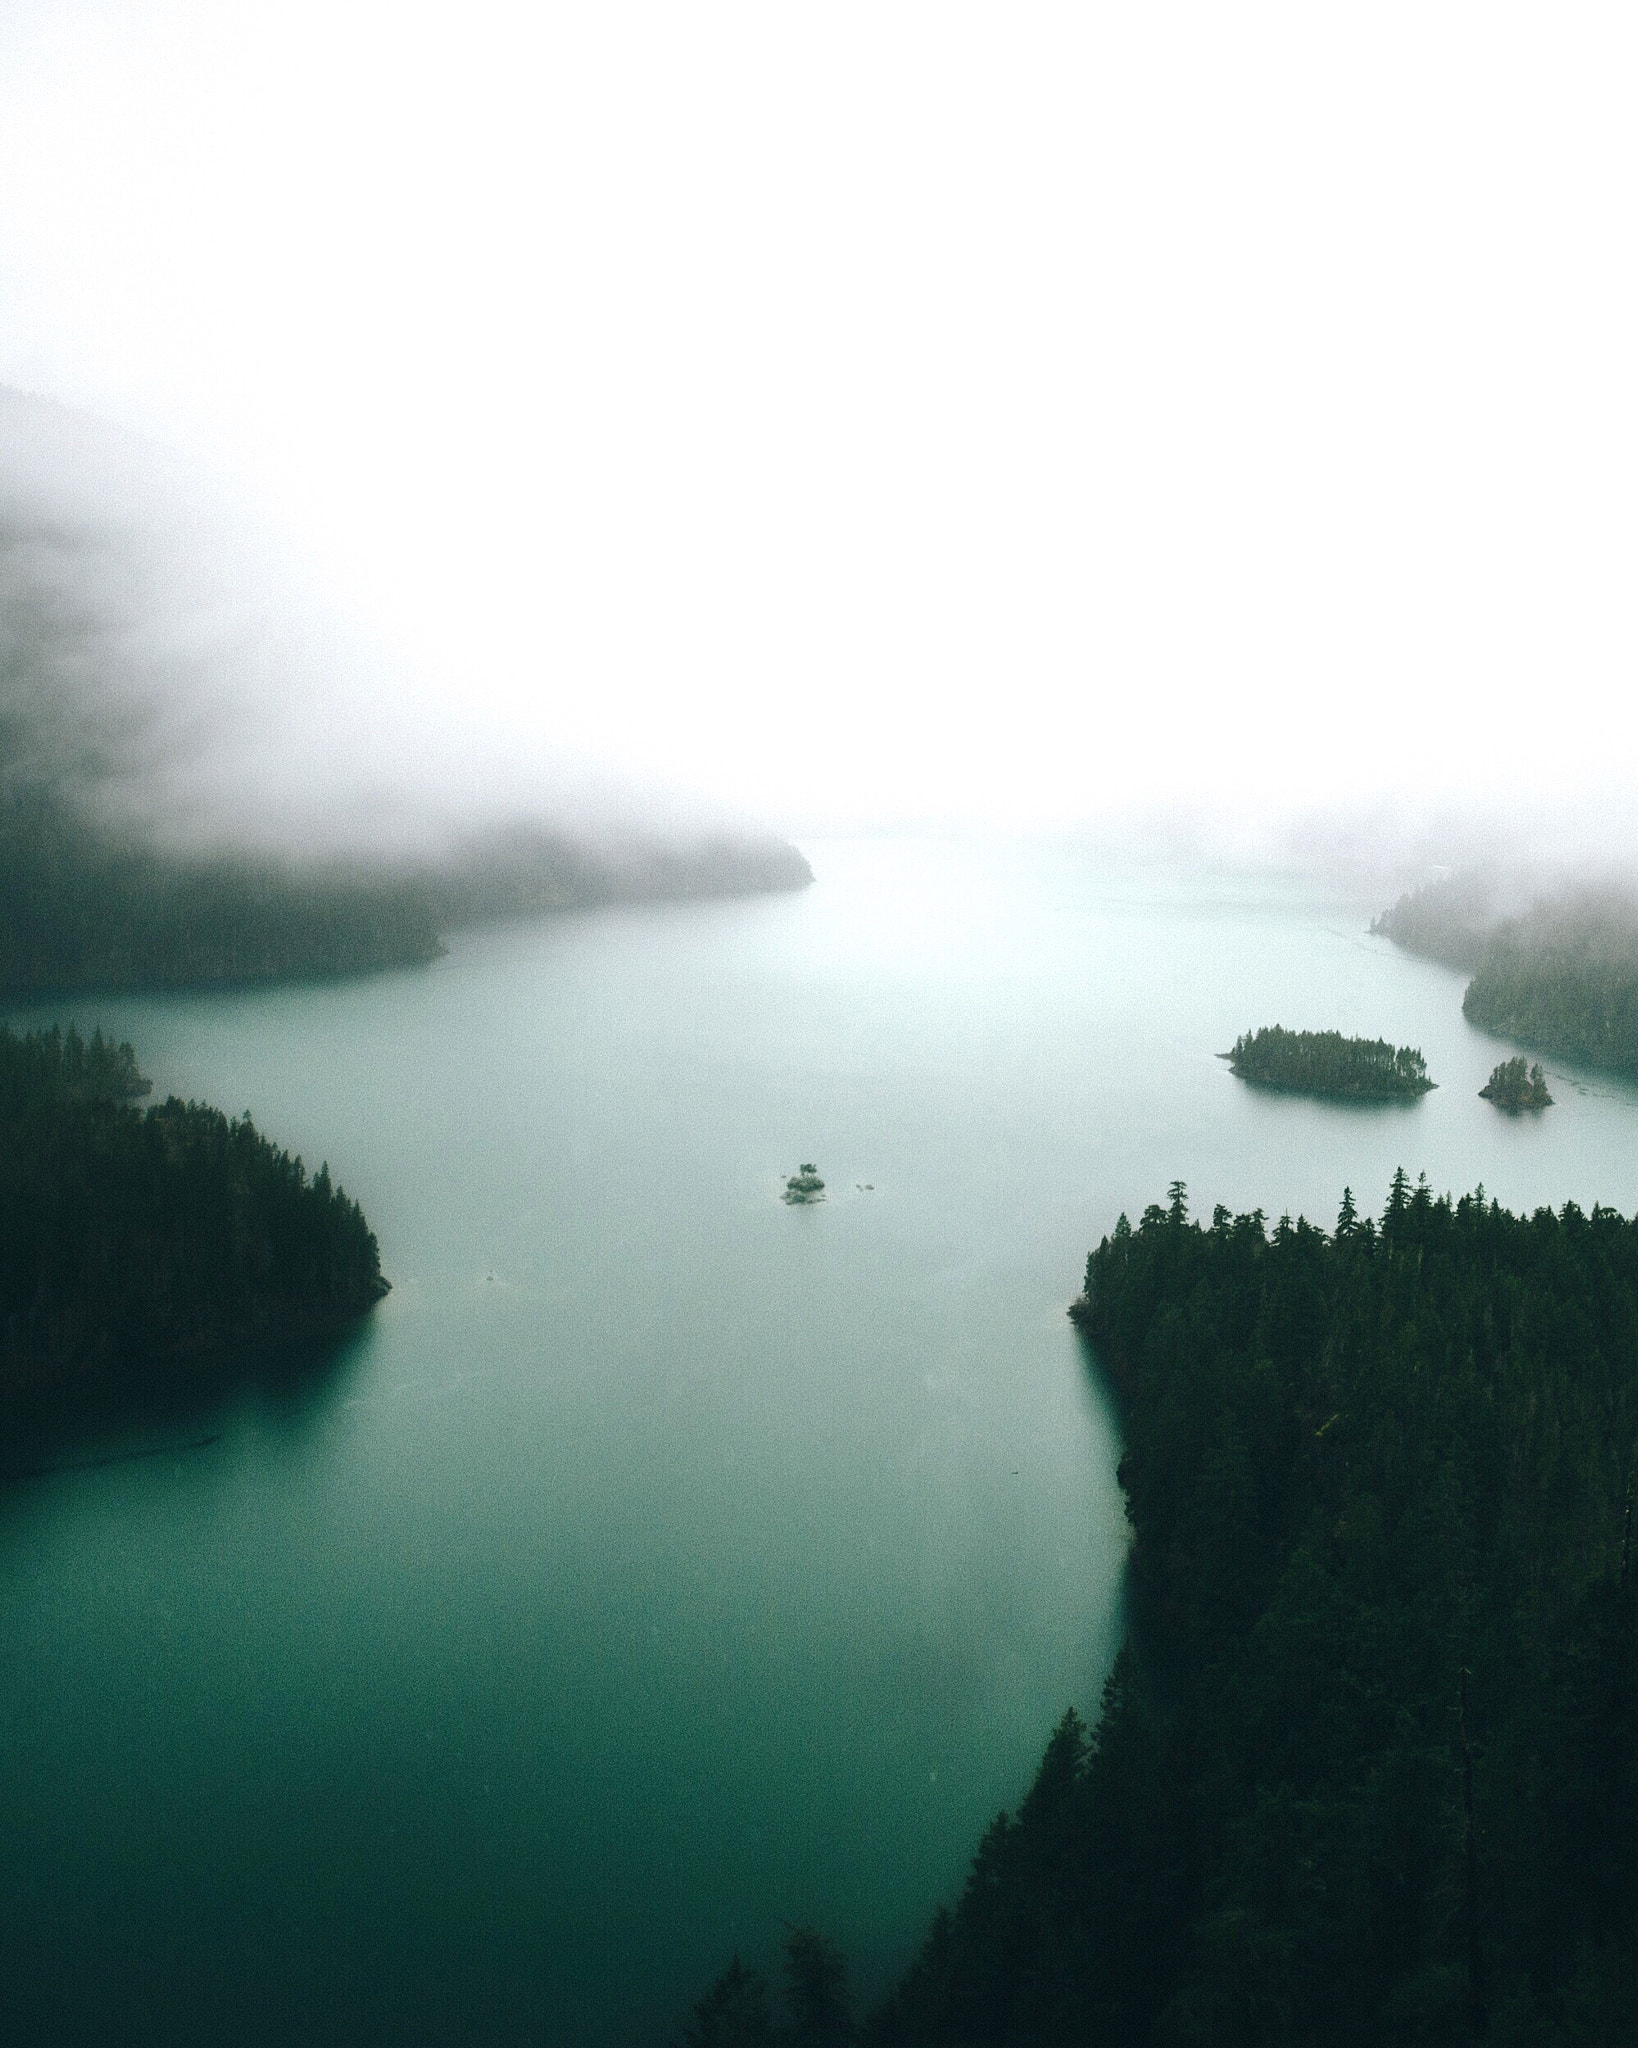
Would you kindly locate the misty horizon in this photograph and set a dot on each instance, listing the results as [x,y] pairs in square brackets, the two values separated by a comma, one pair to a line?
[162,661]
[818,1024]
[922,427]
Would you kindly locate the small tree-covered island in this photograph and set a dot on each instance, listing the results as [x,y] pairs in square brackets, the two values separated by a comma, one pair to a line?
[130,1238]
[1325,1063]
[1515,1085]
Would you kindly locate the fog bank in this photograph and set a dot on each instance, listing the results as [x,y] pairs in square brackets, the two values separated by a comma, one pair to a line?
[930,416]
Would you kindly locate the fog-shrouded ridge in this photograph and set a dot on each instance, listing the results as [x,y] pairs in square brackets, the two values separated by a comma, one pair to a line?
[1552,952]
[175,807]
[186,731]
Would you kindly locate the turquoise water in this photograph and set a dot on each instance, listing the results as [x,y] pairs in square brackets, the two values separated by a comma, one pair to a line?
[661,1564]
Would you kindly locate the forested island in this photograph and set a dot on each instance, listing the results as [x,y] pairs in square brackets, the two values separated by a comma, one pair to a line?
[1560,975]
[1366,1772]
[1515,1085]
[1326,1063]
[129,1238]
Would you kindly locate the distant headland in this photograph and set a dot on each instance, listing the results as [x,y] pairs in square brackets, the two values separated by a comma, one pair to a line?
[86,907]
[130,1238]
[1553,964]
[124,861]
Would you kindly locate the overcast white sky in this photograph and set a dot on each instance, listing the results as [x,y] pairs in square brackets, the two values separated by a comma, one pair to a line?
[868,410]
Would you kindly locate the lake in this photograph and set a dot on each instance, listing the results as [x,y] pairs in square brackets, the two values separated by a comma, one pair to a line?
[660,1565]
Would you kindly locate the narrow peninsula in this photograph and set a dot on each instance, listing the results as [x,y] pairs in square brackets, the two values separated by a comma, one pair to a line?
[1514,1086]
[130,1238]
[1325,1063]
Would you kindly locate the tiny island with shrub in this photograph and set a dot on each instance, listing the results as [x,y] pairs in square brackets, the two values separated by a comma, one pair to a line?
[130,1238]
[1326,1063]
[1516,1086]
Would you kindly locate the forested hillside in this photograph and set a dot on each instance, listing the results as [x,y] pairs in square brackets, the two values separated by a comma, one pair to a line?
[1451,919]
[1368,1773]
[1561,975]
[129,1237]
[135,682]
[1565,977]
[83,906]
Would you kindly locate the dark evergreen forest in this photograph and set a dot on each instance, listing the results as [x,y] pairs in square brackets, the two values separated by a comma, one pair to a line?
[1367,1772]
[128,1237]
[83,906]
[1327,1063]
[1564,977]
[1514,1085]
[1561,976]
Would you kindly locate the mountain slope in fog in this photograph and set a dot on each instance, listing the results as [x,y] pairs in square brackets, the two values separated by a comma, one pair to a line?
[1560,974]
[129,673]
[86,906]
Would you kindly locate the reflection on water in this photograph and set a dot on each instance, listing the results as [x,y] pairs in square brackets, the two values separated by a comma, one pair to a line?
[166,1412]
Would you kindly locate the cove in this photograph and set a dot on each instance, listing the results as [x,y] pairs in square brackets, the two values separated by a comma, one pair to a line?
[660,1563]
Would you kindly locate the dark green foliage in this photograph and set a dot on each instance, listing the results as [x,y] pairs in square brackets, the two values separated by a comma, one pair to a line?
[1565,977]
[733,2013]
[1515,1085]
[1380,1784]
[47,1065]
[1326,1063]
[127,1237]
[1562,976]
[818,2011]
[82,908]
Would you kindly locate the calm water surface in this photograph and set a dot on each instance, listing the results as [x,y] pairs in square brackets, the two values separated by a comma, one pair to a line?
[661,1564]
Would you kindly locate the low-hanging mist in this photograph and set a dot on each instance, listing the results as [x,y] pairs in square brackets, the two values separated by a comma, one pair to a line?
[166,819]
